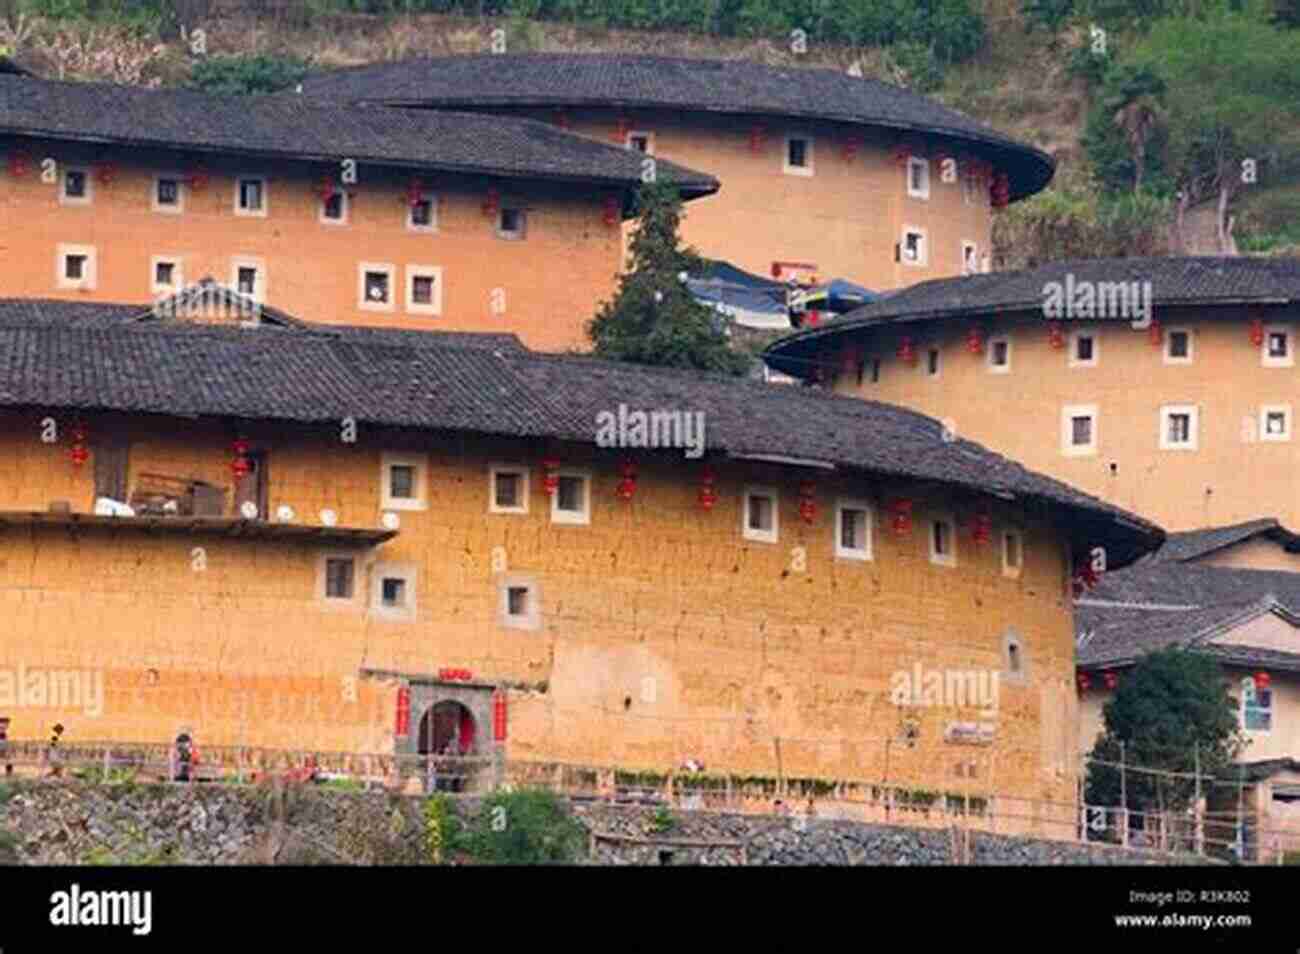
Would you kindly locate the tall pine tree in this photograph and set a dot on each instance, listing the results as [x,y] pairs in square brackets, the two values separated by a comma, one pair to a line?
[653,319]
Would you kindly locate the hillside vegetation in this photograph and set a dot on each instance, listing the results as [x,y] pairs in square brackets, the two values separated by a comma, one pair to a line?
[1175,123]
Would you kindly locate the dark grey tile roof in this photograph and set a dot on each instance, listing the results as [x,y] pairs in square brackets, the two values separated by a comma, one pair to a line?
[697,85]
[439,383]
[1174,282]
[291,127]
[1190,544]
[1153,582]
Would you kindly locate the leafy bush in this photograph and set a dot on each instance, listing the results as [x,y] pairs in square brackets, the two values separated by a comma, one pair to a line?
[247,75]
[443,832]
[8,848]
[923,71]
[525,827]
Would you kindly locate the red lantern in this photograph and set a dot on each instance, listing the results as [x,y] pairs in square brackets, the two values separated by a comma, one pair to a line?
[1257,332]
[1262,681]
[974,341]
[492,202]
[562,119]
[106,173]
[1055,335]
[624,127]
[851,144]
[550,479]
[906,351]
[326,189]
[807,506]
[901,516]
[756,136]
[1085,578]
[981,528]
[627,486]
[1157,334]
[403,712]
[198,179]
[499,716]
[901,155]
[611,211]
[1084,682]
[79,453]
[708,497]
[240,466]
[414,192]
[20,163]
[1111,679]
[1000,191]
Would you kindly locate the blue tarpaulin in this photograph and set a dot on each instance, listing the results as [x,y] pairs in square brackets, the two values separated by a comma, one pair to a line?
[749,300]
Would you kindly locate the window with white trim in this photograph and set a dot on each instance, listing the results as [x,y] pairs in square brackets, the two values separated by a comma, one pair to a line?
[76,267]
[571,502]
[1275,422]
[424,289]
[943,541]
[854,523]
[914,248]
[512,223]
[165,275]
[334,210]
[1256,707]
[1178,346]
[520,602]
[375,286]
[998,355]
[1013,552]
[507,489]
[759,517]
[1277,349]
[641,141]
[404,477]
[1079,430]
[336,579]
[392,589]
[970,264]
[168,193]
[422,216]
[250,196]
[798,155]
[1083,349]
[1178,427]
[918,177]
[248,277]
[76,186]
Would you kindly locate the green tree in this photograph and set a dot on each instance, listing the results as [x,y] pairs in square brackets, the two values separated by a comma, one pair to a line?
[1126,129]
[525,827]
[1172,711]
[653,318]
[246,75]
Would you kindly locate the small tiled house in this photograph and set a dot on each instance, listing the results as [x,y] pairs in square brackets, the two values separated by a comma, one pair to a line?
[404,220]
[274,532]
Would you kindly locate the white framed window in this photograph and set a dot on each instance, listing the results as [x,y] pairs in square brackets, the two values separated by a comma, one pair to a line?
[76,186]
[520,602]
[571,502]
[76,267]
[250,196]
[918,177]
[1013,657]
[1013,552]
[641,141]
[798,155]
[1277,350]
[512,223]
[943,541]
[854,526]
[759,517]
[336,209]
[248,277]
[1179,427]
[392,591]
[336,579]
[1178,346]
[970,262]
[1084,346]
[167,193]
[1079,430]
[998,354]
[424,289]
[165,275]
[375,282]
[1275,422]
[933,362]
[403,478]
[914,249]
[507,489]
[1256,707]
[423,215]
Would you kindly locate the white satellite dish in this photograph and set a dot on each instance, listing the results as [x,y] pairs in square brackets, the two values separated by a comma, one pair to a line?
[249,510]
[284,513]
[328,517]
[391,521]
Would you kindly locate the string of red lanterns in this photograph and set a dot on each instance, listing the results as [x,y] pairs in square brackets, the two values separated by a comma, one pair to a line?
[850,149]
[1262,681]
[239,466]
[1257,332]
[1084,682]
[20,163]
[974,341]
[907,351]
[757,136]
[415,192]
[611,213]
[326,189]
[455,675]
[708,496]
[1056,335]
[627,486]
[106,173]
[499,715]
[981,530]
[403,727]
[550,475]
[900,516]
[807,505]
[1110,678]
[1156,333]
[79,452]
[492,202]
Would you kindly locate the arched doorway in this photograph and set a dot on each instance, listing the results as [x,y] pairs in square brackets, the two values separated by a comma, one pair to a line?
[448,730]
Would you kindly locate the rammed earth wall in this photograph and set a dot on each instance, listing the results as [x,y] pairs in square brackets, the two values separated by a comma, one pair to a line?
[61,823]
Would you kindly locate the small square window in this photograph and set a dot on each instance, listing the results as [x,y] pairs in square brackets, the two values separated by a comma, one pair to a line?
[1079,430]
[913,248]
[918,177]
[169,192]
[1275,422]
[571,500]
[932,362]
[1178,427]
[250,196]
[1083,349]
[75,267]
[247,281]
[1277,344]
[798,156]
[424,289]
[641,142]
[403,482]
[1178,346]
[943,542]
[339,577]
[393,592]
[166,274]
[517,600]
[1277,351]
[76,184]
[521,603]
[759,515]
[422,216]
[1012,553]
[999,355]
[512,223]
[377,286]
[853,526]
[969,258]
[508,489]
